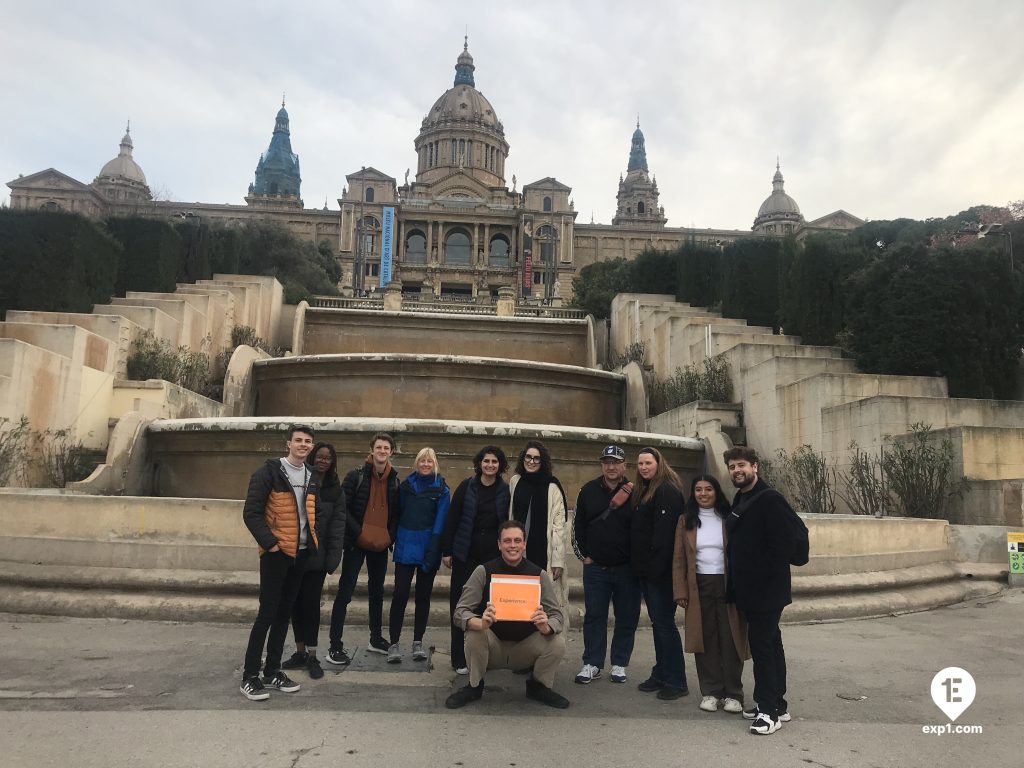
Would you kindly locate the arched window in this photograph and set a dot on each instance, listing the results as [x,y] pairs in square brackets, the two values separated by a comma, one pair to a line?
[548,239]
[50,206]
[369,228]
[368,196]
[547,205]
[415,247]
[498,252]
[456,247]
[640,207]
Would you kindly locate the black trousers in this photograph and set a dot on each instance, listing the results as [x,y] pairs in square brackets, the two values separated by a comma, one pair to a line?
[306,611]
[769,659]
[400,599]
[351,565]
[460,575]
[279,584]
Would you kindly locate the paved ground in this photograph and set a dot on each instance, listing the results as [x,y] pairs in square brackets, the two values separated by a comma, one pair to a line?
[89,693]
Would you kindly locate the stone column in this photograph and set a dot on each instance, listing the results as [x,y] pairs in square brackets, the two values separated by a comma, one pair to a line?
[487,244]
[393,296]
[473,245]
[506,305]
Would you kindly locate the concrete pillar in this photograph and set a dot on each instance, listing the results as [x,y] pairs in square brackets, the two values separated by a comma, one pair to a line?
[506,305]
[393,296]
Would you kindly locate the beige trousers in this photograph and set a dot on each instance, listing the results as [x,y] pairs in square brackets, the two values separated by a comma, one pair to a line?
[541,652]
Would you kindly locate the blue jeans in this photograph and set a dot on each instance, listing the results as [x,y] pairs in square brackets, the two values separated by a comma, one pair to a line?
[618,585]
[668,646]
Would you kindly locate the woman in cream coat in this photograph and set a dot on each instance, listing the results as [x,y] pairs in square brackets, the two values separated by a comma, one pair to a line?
[714,631]
[538,502]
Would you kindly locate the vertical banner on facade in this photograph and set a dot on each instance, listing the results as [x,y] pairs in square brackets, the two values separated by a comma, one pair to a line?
[387,245]
[527,255]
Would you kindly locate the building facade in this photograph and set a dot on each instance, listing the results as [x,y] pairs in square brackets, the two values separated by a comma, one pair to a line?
[459,228]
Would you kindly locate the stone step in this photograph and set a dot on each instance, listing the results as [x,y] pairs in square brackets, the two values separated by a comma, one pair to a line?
[230,596]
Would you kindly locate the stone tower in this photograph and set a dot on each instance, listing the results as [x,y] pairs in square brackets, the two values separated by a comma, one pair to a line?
[779,214]
[121,180]
[638,192]
[277,172]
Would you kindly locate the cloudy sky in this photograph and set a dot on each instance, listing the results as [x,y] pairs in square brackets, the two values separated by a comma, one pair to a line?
[884,109]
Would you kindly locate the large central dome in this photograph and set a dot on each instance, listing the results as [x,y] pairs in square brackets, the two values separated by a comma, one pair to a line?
[461,132]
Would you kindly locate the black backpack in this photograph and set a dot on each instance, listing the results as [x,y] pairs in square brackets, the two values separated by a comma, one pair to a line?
[801,553]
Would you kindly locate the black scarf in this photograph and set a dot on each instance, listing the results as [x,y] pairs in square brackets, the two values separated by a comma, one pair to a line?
[530,507]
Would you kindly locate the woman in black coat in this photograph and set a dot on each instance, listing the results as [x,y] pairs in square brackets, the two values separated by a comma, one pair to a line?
[657,502]
[330,533]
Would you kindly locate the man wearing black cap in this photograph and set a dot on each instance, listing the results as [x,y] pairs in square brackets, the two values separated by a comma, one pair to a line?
[601,541]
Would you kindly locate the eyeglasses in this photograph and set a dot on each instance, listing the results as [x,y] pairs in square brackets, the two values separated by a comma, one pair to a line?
[531,459]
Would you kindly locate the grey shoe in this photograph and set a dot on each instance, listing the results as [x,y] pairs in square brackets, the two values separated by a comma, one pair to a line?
[394,654]
[419,653]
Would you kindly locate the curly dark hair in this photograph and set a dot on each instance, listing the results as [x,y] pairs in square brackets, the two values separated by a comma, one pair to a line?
[691,512]
[331,475]
[496,452]
[545,458]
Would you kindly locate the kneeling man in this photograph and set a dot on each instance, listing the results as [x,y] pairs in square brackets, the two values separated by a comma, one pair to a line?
[492,644]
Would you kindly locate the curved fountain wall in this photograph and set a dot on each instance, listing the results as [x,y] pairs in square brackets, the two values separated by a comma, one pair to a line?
[439,387]
[213,458]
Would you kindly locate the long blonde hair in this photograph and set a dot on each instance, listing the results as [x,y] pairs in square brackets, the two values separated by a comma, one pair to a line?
[429,453]
[644,490]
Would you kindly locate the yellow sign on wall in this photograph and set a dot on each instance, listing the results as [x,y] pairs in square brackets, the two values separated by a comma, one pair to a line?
[1015,549]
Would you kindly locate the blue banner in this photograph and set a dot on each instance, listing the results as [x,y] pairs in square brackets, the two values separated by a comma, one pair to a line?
[387,245]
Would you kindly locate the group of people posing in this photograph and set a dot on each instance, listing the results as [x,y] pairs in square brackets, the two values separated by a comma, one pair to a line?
[726,565]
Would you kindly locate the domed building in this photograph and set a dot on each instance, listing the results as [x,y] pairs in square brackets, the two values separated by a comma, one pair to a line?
[779,214]
[122,179]
[460,229]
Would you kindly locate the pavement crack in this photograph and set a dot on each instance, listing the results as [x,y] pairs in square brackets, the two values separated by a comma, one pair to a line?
[301,753]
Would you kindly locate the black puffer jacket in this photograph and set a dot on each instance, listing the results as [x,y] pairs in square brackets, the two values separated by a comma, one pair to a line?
[330,526]
[653,533]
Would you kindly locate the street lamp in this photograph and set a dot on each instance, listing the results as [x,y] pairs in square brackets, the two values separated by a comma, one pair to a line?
[997,230]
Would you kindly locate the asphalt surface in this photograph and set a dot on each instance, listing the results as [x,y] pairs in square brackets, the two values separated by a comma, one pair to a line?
[89,692]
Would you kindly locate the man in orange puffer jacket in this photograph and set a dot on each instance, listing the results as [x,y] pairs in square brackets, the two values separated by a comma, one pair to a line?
[280,513]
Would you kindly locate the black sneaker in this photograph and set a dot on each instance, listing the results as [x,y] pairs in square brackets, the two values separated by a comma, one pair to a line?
[378,645]
[252,688]
[753,712]
[282,682]
[650,685]
[764,725]
[670,692]
[464,696]
[313,667]
[537,691]
[296,661]
[338,657]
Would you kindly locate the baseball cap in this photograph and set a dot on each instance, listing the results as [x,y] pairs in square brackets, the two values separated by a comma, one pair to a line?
[613,452]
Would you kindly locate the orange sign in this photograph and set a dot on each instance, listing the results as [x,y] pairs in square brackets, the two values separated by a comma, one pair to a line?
[515,598]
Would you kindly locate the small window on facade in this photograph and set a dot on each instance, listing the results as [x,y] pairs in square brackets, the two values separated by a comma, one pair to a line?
[547,205]
[369,194]
[457,248]
[498,256]
[640,207]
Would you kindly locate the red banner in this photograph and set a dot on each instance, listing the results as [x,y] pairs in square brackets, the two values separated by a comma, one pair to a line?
[527,273]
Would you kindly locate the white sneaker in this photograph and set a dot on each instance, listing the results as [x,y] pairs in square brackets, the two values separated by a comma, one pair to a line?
[709,704]
[733,706]
[462,670]
[419,653]
[394,654]
[588,673]
[618,674]
[764,725]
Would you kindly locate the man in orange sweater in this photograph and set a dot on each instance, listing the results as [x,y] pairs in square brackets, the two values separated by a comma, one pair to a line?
[280,513]
[372,491]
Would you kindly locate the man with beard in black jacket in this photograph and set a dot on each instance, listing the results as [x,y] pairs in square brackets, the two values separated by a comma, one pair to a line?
[761,543]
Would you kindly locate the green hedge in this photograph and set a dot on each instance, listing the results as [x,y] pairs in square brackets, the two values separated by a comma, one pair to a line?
[55,261]
[153,257]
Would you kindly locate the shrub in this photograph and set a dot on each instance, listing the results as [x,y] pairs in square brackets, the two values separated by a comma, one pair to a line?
[864,487]
[710,381]
[634,353]
[153,358]
[804,477]
[919,471]
[63,460]
[12,449]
